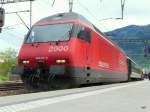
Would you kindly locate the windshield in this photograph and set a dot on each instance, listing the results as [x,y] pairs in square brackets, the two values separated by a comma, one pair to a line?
[53,32]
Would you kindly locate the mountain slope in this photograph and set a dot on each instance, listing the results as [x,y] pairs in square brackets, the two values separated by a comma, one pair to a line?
[135,50]
[131,31]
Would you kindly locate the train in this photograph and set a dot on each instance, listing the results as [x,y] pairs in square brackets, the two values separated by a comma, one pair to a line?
[65,50]
[136,72]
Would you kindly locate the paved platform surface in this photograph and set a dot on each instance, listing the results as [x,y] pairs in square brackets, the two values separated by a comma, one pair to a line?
[123,97]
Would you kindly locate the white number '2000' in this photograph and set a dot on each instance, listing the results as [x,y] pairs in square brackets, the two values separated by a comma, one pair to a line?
[58,48]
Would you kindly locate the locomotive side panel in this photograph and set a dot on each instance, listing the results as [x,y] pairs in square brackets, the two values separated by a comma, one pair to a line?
[108,60]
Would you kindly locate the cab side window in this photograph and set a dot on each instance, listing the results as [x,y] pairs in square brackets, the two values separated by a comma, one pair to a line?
[84,34]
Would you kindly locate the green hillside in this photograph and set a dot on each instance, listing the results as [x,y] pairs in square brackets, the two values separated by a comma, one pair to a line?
[133,40]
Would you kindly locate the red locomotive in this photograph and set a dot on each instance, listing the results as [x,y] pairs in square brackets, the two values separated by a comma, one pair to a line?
[66,49]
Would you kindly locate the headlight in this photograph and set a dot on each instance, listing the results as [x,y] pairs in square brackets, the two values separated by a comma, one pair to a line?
[61,61]
[25,61]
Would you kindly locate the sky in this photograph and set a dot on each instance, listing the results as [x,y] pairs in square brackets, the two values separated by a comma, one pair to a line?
[101,13]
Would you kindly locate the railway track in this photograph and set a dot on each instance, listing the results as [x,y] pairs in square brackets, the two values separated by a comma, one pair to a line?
[11,86]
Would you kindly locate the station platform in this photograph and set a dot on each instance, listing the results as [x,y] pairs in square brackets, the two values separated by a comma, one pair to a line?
[120,97]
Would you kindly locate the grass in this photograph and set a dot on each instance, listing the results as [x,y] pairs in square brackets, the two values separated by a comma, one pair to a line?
[3,78]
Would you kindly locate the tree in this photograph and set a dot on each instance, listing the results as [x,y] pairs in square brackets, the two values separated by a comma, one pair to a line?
[8,59]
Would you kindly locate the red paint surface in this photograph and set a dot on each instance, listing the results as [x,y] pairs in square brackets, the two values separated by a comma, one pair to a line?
[80,53]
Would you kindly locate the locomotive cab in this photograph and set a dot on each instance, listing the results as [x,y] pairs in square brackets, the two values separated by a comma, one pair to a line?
[54,48]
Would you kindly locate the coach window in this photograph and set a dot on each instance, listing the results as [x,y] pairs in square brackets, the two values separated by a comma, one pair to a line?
[84,34]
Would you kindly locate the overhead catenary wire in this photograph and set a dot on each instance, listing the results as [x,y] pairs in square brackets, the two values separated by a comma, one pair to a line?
[17,12]
[53,3]
[22,21]
[11,34]
[71,2]
[18,1]
[87,10]
[21,34]
[13,1]
[11,26]
[92,15]
[8,28]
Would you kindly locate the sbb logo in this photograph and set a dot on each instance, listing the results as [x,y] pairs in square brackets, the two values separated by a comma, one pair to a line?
[58,49]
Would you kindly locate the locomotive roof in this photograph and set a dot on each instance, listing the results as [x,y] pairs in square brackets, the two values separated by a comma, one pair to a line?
[65,17]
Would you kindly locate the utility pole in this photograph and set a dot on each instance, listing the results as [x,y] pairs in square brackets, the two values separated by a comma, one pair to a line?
[70,5]
[122,8]
[2,18]
[17,1]
[30,14]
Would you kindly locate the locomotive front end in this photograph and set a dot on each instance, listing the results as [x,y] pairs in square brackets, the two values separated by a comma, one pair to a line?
[46,54]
